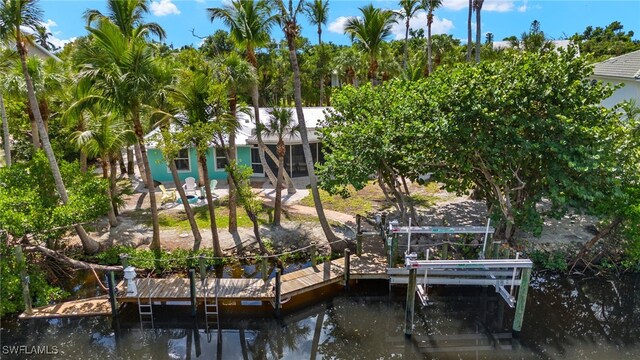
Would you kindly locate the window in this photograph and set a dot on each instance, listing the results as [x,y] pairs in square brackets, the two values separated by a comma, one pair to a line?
[221,160]
[256,165]
[182,160]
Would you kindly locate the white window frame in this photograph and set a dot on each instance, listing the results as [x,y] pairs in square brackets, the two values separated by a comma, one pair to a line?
[188,160]
[215,160]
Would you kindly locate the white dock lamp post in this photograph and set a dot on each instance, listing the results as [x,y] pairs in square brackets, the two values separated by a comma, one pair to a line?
[130,275]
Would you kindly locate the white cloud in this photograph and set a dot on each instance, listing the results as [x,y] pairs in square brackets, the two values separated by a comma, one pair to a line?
[337,26]
[163,8]
[419,21]
[53,38]
[489,5]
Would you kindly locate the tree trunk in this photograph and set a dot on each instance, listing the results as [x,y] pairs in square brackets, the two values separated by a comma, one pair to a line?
[83,161]
[200,175]
[326,228]
[111,214]
[321,65]
[429,59]
[291,188]
[113,176]
[405,59]
[130,169]
[137,125]
[278,202]
[231,155]
[197,237]
[217,250]
[89,245]
[5,133]
[76,264]
[469,31]
[478,28]
[35,135]
[141,162]
[123,166]
[588,245]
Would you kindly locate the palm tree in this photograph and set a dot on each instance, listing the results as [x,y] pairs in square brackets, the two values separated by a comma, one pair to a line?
[6,62]
[318,14]
[15,14]
[249,23]
[370,32]
[280,124]
[469,43]
[477,5]
[105,136]
[430,6]
[409,9]
[127,15]
[42,37]
[287,19]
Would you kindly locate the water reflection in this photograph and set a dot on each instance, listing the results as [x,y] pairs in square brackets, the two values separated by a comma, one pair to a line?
[566,318]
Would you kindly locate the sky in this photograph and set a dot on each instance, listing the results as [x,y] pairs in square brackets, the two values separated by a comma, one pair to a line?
[181,19]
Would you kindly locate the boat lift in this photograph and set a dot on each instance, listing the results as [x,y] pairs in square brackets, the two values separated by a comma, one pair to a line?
[503,274]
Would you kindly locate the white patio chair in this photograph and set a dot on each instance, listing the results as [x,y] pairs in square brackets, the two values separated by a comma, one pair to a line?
[190,186]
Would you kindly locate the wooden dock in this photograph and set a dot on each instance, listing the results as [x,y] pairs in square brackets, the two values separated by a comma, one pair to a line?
[97,306]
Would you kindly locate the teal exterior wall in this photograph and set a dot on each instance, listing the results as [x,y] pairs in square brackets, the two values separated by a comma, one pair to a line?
[160,171]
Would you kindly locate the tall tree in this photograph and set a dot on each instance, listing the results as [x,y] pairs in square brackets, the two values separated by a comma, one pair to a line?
[42,36]
[469,32]
[318,14]
[430,6]
[287,18]
[477,6]
[370,32]
[6,61]
[280,124]
[15,14]
[408,11]
[249,23]
[120,64]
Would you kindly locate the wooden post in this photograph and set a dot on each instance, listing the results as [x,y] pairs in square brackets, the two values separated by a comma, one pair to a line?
[111,282]
[278,293]
[445,250]
[347,268]
[522,301]
[359,244]
[358,224]
[496,249]
[394,251]
[411,299]
[263,269]
[22,267]
[314,260]
[124,259]
[192,283]
[203,268]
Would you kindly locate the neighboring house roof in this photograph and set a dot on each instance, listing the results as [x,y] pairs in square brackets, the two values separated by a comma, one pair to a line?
[557,44]
[37,50]
[246,133]
[625,66]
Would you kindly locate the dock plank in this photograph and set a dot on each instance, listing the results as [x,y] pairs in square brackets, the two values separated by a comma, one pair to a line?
[96,306]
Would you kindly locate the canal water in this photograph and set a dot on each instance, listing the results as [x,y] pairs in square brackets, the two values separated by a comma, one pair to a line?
[566,318]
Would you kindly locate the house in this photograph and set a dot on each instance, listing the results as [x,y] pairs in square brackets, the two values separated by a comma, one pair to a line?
[623,69]
[246,151]
[35,49]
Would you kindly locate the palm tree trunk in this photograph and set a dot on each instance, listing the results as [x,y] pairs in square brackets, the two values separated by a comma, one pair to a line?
[278,202]
[83,161]
[130,169]
[306,148]
[111,214]
[469,31]
[321,65]
[429,60]
[405,59]
[5,133]
[89,245]
[291,188]
[478,29]
[113,176]
[197,237]
[231,155]
[35,135]
[141,163]
[146,173]
[217,250]
[123,166]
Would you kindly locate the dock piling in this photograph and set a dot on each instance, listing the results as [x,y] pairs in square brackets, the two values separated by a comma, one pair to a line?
[314,260]
[192,283]
[22,266]
[278,292]
[347,268]
[522,301]
[411,297]
[111,283]
[263,269]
